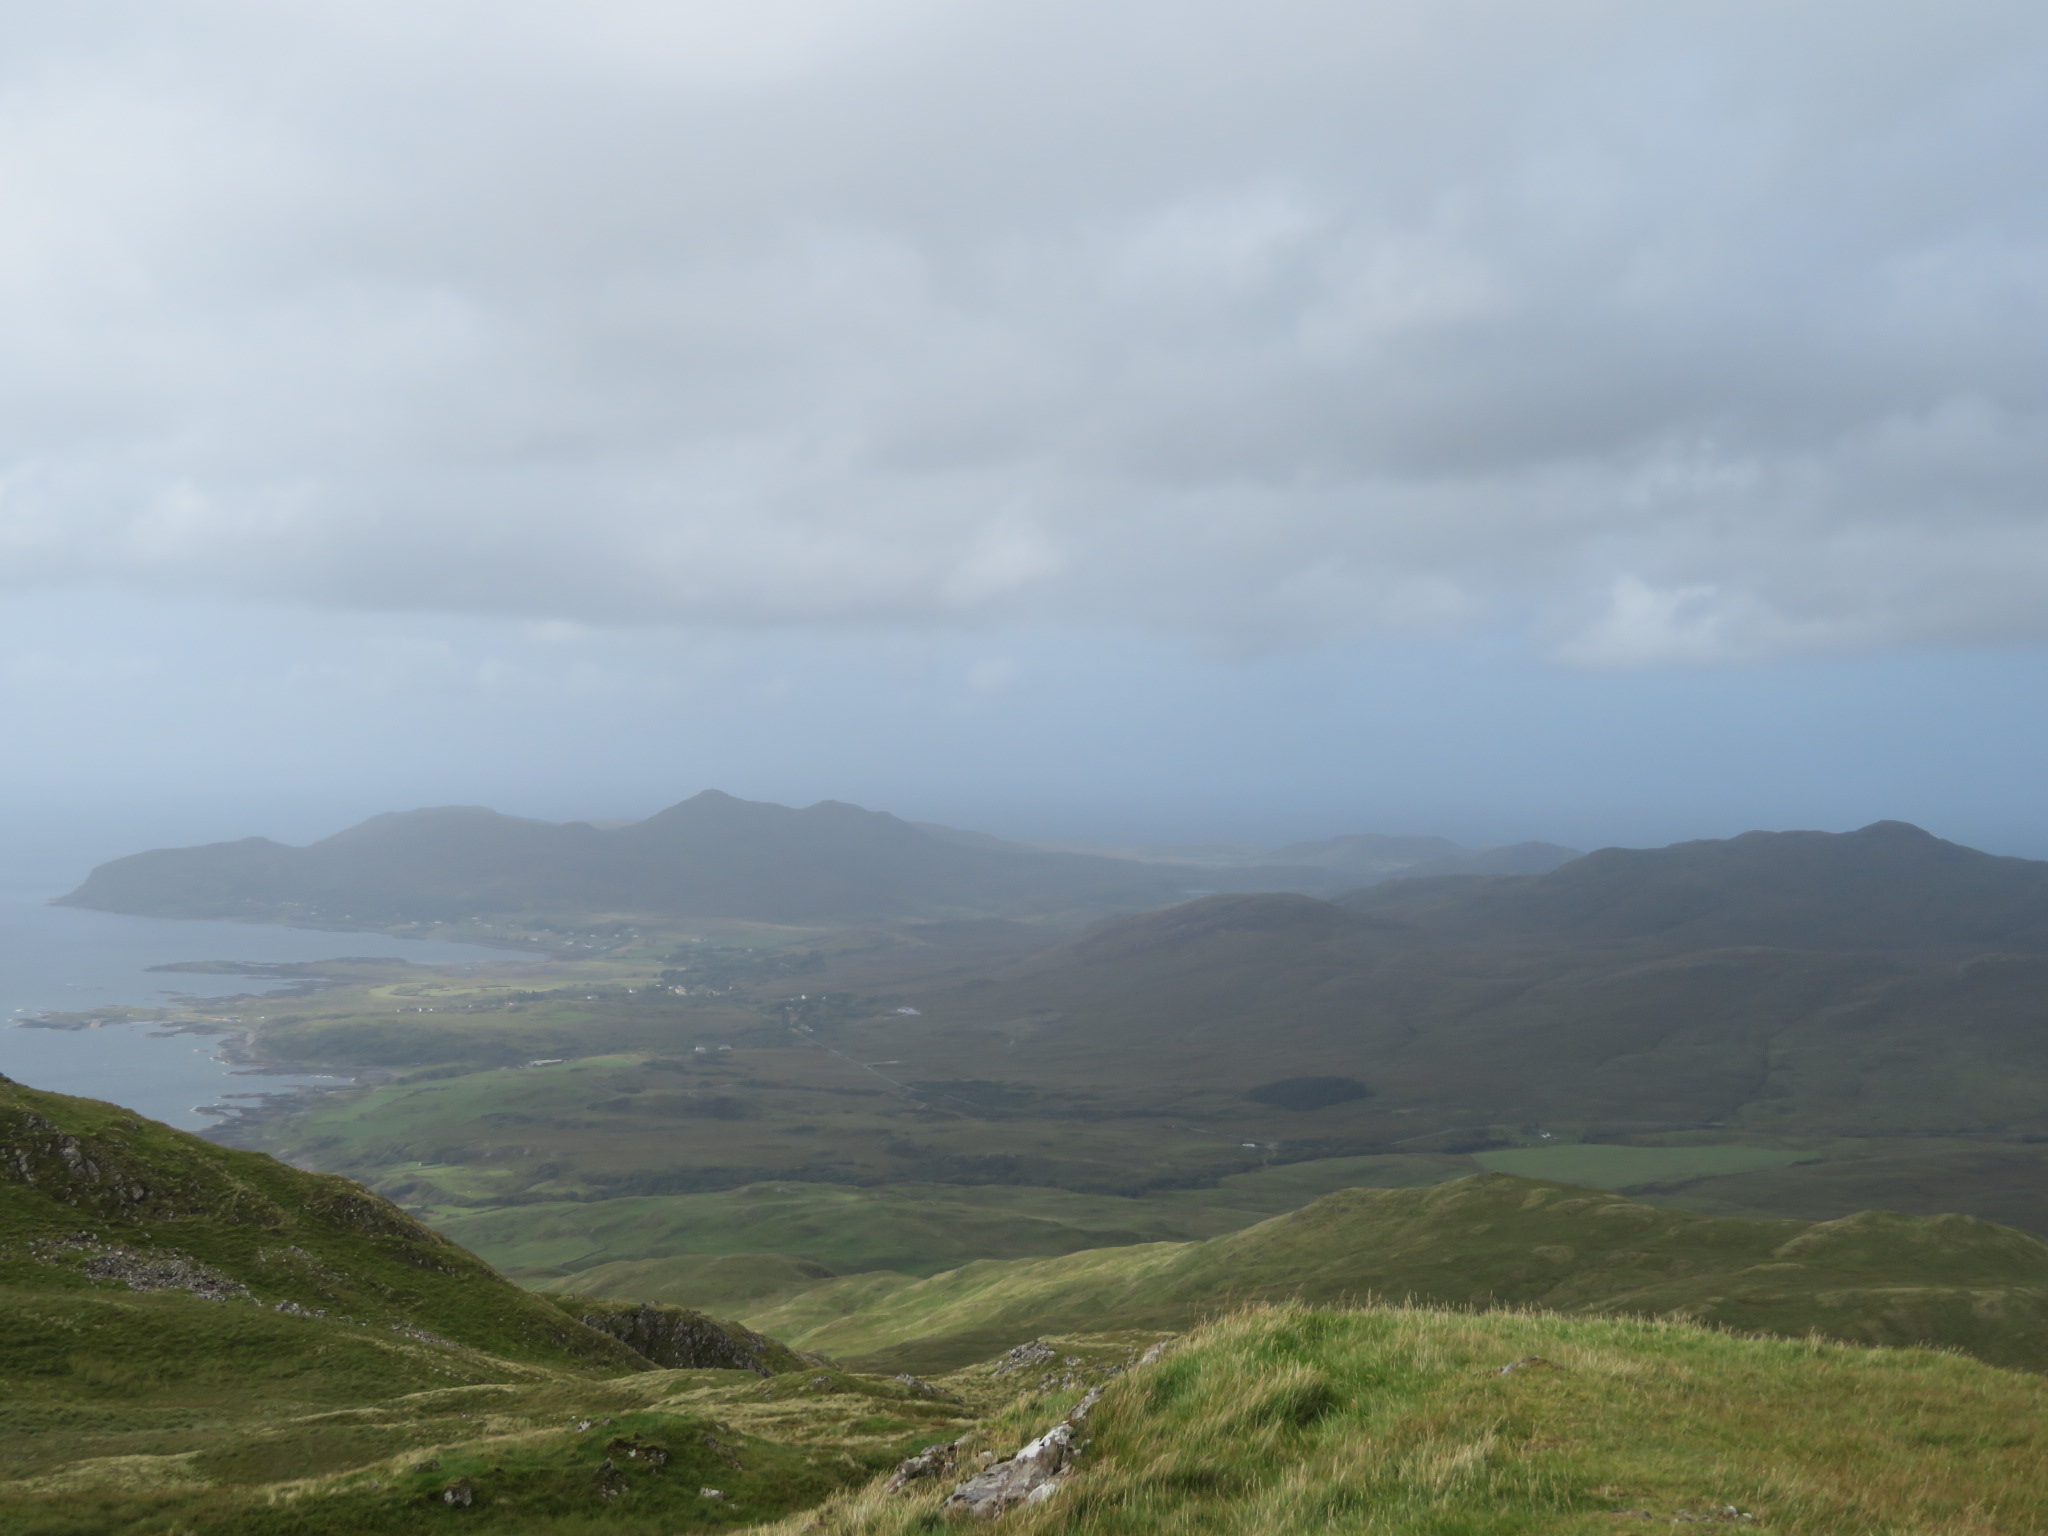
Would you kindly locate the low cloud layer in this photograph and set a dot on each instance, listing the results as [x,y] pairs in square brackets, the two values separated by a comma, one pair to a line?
[1689,332]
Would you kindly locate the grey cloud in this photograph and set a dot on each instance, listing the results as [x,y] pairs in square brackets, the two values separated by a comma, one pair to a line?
[1690,332]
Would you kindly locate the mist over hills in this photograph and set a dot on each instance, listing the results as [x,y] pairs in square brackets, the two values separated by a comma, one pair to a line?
[710,856]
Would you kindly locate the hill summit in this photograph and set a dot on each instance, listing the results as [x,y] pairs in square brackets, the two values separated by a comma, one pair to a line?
[1887,886]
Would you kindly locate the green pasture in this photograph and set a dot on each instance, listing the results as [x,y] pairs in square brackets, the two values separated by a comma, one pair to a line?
[914,1228]
[1600,1166]
[787,1235]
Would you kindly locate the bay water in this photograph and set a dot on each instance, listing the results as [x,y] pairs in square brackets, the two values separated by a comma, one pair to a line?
[63,959]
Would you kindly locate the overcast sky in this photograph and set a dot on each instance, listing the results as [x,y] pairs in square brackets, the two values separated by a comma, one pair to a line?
[1592,420]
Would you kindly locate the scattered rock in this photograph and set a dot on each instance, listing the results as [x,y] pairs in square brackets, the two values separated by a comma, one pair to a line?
[1526,1363]
[932,1461]
[1037,1352]
[459,1494]
[721,1450]
[677,1338]
[633,1448]
[710,1493]
[154,1269]
[1031,1476]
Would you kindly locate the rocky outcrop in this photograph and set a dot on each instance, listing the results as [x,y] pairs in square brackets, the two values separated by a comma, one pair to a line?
[107,1195]
[1031,1476]
[111,1174]
[678,1338]
[154,1269]
[933,1461]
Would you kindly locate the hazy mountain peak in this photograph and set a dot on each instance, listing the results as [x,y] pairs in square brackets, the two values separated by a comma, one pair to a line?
[428,816]
[1900,829]
[712,855]
[1886,885]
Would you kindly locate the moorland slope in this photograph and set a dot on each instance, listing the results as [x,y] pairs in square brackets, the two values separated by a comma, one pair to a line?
[92,1196]
[205,1340]
[1484,1241]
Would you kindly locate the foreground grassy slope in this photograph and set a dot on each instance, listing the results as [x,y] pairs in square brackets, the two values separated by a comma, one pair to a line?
[523,1455]
[200,1340]
[1487,1240]
[1405,1423]
[93,1196]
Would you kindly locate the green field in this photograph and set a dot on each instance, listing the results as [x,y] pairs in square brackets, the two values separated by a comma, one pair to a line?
[1616,1167]
[914,1228]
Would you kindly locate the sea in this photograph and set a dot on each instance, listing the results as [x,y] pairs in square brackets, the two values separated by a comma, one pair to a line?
[62,959]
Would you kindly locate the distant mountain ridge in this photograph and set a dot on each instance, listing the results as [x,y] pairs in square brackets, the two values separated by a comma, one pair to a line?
[1887,886]
[1325,865]
[1877,982]
[711,856]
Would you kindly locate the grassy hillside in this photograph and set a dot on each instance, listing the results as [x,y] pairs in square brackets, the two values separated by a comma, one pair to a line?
[731,1250]
[915,1228]
[1413,1423]
[200,1340]
[530,1454]
[93,1196]
[1487,1240]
